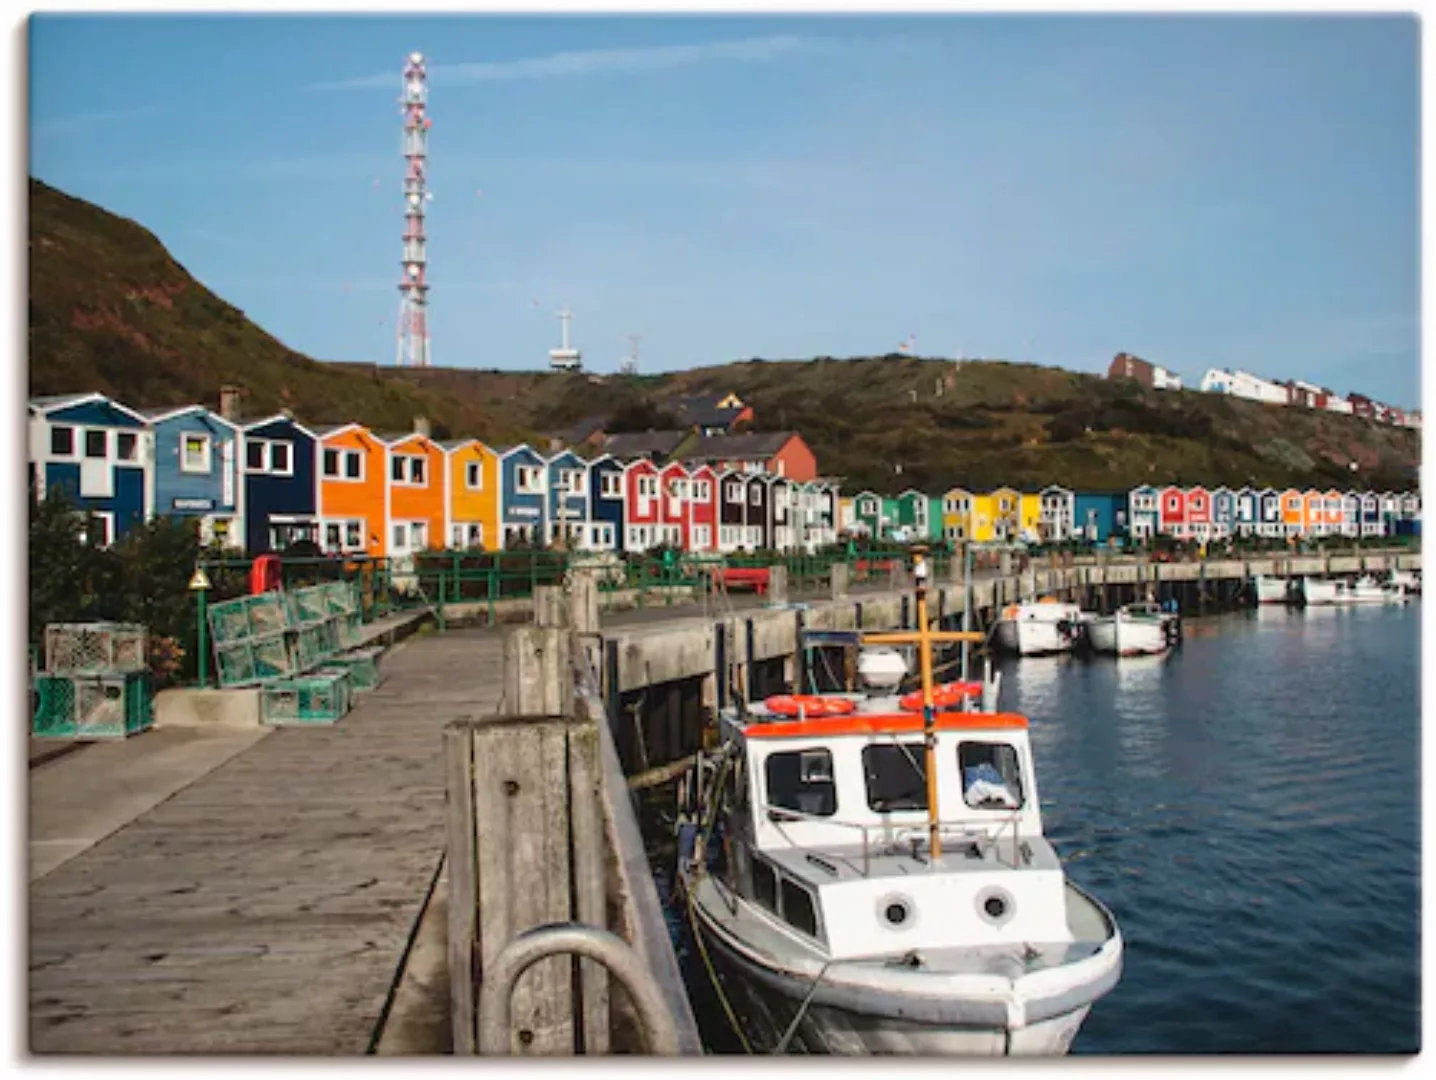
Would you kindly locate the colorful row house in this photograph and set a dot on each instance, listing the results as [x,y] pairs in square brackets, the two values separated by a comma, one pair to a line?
[98,454]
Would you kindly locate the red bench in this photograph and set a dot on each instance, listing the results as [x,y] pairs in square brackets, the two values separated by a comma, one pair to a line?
[755,577]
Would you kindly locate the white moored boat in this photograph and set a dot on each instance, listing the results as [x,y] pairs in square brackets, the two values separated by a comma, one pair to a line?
[1135,630]
[859,890]
[1316,591]
[1044,626]
[1366,590]
[1272,590]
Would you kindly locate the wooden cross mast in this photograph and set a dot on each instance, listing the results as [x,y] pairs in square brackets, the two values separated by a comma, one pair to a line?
[924,637]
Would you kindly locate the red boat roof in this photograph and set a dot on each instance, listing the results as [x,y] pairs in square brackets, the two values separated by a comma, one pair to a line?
[904,723]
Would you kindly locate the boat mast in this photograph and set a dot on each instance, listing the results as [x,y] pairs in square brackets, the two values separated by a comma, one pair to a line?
[924,637]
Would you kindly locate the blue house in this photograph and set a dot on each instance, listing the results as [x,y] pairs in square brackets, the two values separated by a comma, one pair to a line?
[1097,516]
[97,452]
[1142,512]
[1370,514]
[566,500]
[196,471]
[281,485]
[522,476]
[606,503]
[1224,511]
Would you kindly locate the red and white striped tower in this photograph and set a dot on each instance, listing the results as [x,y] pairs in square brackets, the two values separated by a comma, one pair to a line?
[413,269]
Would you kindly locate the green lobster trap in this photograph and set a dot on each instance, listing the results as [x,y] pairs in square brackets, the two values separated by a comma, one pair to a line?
[307,606]
[234,663]
[348,630]
[305,699]
[341,597]
[268,614]
[312,646]
[363,667]
[92,706]
[229,621]
[96,648]
[270,657]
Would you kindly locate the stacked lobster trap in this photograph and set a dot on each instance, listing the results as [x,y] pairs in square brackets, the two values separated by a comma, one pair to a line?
[95,684]
[299,648]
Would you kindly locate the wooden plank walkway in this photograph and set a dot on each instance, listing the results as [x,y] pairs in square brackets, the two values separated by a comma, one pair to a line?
[266,907]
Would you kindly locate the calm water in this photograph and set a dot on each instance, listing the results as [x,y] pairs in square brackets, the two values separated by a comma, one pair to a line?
[1248,809]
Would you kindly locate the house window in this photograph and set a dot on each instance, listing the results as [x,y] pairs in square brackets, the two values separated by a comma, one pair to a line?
[353,465]
[648,486]
[96,444]
[255,454]
[342,535]
[610,485]
[194,453]
[406,469]
[528,480]
[700,536]
[62,441]
[701,490]
[280,462]
[331,463]
[470,534]
[97,528]
[896,776]
[802,781]
[401,533]
[735,492]
[340,464]
[419,535]
[474,476]
[755,496]
[572,481]
[126,444]
[396,469]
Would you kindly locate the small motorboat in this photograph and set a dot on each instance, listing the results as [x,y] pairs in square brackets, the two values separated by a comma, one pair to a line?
[1135,630]
[1272,590]
[1315,591]
[1408,580]
[1365,590]
[866,872]
[1046,626]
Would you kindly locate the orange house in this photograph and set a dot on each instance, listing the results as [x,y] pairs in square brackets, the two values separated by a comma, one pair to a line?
[1315,513]
[1293,511]
[353,490]
[1335,517]
[473,507]
[416,492]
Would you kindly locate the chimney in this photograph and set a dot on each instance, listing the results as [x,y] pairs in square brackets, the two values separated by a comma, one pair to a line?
[421,426]
[229,403]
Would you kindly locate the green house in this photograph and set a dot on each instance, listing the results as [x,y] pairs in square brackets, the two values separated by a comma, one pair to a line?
[913,517]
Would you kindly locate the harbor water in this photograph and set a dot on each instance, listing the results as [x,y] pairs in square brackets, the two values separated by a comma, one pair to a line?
[1248,807]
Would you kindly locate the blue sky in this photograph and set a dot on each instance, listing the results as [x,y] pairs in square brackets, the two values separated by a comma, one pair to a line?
[1209,191]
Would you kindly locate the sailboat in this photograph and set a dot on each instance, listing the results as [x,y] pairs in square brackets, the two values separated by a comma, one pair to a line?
[868,873]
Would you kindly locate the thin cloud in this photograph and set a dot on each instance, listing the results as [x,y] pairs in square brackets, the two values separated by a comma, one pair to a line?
[595,61]
[63,124]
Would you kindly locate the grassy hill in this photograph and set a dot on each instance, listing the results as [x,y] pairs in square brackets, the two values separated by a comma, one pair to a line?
[111,310]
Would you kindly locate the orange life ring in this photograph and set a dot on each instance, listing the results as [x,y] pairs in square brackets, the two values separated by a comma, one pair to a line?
[264,575]
[809,705]
[943,697]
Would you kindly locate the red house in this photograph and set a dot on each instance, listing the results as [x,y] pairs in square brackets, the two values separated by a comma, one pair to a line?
[1199,512]
[1172,511]
[701,522]
[641,511]
[776,453]
[673,483]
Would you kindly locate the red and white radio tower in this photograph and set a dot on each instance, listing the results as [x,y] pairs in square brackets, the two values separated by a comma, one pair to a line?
[413,279]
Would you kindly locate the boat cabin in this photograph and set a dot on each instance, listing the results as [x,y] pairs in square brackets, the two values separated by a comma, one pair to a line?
[827,827]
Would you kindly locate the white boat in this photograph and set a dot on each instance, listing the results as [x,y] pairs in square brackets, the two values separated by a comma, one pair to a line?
[1135,630]
[1044,626]
[1409,580]
[1272,590]
[1316,591]
[1365,590]
[852,905]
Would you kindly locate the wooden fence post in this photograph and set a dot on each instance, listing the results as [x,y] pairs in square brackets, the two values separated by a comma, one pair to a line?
[538,675]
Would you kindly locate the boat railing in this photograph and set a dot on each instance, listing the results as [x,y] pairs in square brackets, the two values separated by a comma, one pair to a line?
[993,830]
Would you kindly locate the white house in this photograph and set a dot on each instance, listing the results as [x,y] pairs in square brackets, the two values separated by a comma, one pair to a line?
[1337,403]
[1243,384]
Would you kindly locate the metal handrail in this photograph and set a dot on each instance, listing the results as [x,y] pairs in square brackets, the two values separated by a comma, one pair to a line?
[655,1020]
[950,825]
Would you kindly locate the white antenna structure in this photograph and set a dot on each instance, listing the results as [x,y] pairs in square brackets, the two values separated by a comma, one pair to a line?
[565,358]
[629,364]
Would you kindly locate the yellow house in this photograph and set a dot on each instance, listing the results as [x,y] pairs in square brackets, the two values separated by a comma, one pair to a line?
[474,497]
[1031,515]
[1006,513]
[957,514]
[983,518]
[846,514]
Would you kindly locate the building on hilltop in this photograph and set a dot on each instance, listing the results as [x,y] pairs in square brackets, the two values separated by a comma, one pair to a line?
[710,414]
[1243,384]
[1152,376]
[780,453]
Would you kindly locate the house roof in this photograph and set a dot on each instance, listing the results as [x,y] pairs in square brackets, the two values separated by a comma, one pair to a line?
[583,429]
[48,401]
[758,444]
[161,412]
[703,410]
[643,443]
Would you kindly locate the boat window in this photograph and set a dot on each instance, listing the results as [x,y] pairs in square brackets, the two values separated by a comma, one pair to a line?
[765,884]
[802,780]
[896,776]
[991,779]
[798,910]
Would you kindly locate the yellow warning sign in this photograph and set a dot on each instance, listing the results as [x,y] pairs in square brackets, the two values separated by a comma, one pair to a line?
[199,581]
